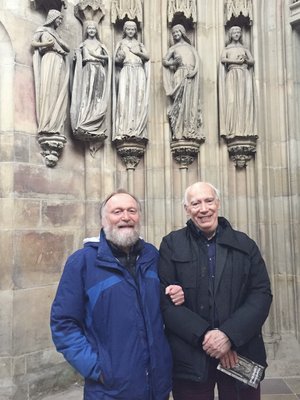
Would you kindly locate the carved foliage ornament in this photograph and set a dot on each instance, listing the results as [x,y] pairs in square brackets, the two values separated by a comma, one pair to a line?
[131,151]
[235,8]
[52,147]
[89,10]
[241,150]
[47,5]
[187,7]
[185,151]
[131,9]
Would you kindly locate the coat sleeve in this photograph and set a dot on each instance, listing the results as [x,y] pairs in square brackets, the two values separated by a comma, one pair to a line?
[180,320]
[247,320]
[67,320]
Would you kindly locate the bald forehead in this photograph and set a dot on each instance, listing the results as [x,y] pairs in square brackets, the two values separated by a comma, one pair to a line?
[200,190]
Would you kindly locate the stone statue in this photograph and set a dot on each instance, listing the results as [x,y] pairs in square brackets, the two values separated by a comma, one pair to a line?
[91,86]
[132,83]
[181,82]
[236,88]
[51,75]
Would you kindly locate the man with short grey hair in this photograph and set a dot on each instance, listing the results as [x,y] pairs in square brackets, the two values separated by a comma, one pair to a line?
[227,299]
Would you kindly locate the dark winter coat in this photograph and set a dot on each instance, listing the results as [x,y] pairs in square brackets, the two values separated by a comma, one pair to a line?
[240,297]
[105,324]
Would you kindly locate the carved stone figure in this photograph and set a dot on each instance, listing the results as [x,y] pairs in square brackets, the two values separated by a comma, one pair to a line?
[182,85]
[91,86]
[51,75]
[132,82]
[236,89]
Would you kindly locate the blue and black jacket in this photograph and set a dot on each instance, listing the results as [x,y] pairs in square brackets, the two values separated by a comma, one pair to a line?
[108,324]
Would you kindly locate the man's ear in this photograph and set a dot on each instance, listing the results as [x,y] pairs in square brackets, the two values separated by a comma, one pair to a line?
[186,209]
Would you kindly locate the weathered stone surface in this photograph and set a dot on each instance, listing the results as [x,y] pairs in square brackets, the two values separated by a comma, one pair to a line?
[21,148]
[40,181]
[39,257]
[57,378]
[6,146]
[6,179]
[27,213]
[6,309]
[6,251]
[32,305]
[43,360]
[25,119]
[66,214]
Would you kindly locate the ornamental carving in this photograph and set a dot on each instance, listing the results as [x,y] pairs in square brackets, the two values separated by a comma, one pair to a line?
[187,8]
[185,151]
[241,150]
[47,5]
[238,8]
[131,151]
[89,10]
[52,147]
[295,13]
[126,9]
[92,78]
[51,79]
[181,77]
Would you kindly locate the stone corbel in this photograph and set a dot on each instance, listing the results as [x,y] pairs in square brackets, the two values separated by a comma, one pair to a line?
[131,151]
[52,146]
[241,149]
[185,151]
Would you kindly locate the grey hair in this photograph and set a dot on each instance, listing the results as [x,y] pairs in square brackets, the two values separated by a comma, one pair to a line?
[215,190]
[118,191]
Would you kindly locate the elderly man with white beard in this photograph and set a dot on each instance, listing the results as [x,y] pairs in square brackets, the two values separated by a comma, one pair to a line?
[106,318]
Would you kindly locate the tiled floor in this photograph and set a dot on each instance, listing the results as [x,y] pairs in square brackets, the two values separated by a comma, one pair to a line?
[281,388]
[271,389]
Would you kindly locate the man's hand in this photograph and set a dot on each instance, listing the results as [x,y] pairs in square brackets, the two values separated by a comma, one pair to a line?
[216,344]
[176,294]
[230,359]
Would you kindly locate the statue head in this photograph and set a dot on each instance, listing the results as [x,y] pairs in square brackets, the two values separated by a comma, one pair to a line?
[129,24]
[235,31]
[52,16]
[88,25]
[181,28]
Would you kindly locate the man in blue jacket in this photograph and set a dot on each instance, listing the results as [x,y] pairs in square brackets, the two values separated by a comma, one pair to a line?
[227,299]
[106,318]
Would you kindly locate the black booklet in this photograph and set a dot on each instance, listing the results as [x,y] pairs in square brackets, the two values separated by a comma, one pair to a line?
[246,371]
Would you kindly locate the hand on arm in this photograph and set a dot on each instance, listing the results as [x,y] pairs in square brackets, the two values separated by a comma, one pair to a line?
[176,294]
[216,344]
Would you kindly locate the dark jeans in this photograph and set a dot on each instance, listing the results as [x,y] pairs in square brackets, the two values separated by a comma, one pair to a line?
[228,389]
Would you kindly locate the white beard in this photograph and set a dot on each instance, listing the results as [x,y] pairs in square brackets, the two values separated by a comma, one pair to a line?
[122,237]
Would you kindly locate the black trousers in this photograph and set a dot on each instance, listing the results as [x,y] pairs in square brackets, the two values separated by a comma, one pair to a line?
[228,389]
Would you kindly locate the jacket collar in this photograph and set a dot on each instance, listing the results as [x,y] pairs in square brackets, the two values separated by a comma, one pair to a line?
[226,235]
[106,257]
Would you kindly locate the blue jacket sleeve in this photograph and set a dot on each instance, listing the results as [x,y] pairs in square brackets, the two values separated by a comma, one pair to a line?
[68,319]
